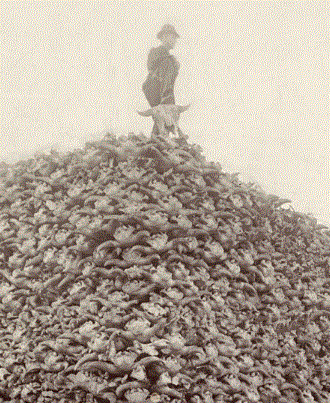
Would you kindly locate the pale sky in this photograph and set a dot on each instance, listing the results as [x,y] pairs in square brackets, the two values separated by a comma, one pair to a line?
[255,72]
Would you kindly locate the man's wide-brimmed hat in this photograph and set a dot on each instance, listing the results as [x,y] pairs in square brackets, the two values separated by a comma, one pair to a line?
[167,29]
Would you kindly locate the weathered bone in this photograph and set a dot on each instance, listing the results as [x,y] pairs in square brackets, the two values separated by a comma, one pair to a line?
[166,116]
[183,108]
[146,113]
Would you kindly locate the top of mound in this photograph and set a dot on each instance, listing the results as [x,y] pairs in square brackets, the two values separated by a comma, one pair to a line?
[139,156]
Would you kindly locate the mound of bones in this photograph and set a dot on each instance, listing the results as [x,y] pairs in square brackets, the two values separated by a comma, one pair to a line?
[133,270]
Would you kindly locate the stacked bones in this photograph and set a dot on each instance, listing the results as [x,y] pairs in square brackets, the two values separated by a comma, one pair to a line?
[136,271]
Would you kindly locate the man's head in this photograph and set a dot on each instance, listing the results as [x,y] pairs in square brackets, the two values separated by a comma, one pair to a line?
[168,40]
[168,36]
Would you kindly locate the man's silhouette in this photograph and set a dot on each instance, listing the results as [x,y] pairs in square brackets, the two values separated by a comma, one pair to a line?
[163,70]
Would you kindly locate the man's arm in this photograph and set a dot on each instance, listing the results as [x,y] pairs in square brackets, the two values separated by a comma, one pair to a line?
[156,57]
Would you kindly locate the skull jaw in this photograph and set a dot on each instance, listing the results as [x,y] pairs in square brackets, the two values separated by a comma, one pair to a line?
[165,130]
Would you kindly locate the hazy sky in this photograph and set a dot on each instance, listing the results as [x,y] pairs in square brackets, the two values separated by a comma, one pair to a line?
[256,74]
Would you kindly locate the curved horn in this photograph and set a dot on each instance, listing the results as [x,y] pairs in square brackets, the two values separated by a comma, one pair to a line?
[182,108]
[148,112]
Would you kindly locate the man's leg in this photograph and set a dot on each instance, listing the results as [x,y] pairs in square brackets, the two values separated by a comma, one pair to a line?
[152,91]
[155,129]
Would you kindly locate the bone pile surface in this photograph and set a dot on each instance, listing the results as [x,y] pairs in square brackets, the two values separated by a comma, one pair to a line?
[134,270]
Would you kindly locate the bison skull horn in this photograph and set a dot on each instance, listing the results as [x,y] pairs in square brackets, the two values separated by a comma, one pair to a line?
[148,112]
[183,108]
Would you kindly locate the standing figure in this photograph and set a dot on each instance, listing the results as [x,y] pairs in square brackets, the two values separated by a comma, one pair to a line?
[163,70]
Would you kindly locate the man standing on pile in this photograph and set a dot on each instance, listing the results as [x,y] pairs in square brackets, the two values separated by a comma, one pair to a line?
[163,70]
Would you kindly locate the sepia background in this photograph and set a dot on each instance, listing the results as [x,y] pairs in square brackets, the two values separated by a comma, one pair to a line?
[256,74]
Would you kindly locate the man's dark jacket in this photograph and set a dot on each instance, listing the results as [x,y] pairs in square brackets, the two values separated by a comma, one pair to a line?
[163,69]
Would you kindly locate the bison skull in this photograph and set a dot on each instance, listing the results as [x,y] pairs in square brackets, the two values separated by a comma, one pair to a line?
[166,117]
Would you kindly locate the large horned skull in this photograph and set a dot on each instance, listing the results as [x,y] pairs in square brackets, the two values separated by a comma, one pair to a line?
[166,117]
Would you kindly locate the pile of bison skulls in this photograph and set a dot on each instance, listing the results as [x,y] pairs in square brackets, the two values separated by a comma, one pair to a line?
[136,271]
